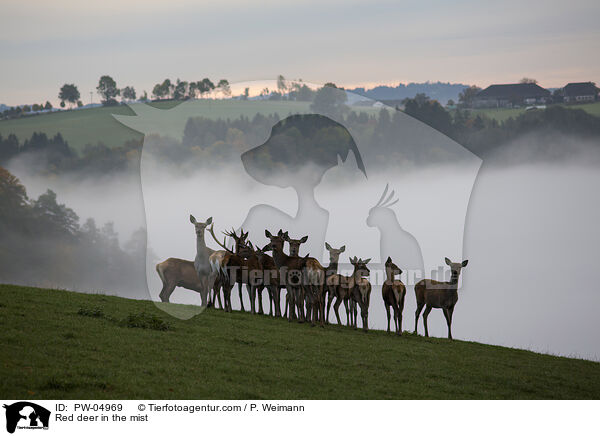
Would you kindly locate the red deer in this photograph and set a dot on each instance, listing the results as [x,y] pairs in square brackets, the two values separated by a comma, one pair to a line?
[201,263]
[334,258]
[393,292]
[267,275]
[177,272]
[351,290]
[290,272]
[439,295]
[313,282]
[232,268]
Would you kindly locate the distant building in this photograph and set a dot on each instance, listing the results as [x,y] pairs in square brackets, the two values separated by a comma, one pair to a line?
[511,95]
[582,92]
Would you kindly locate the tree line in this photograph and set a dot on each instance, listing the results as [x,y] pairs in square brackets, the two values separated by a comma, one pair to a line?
[43,243]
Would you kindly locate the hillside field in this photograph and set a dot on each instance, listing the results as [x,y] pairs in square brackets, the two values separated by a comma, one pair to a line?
[65,345]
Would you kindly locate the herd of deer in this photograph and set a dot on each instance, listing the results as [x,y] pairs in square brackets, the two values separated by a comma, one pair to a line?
[311,287]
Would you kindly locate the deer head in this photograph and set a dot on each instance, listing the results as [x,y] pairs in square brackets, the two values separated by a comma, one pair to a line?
[276,241]
[391,268]
[334,254]
[360,266]
[455,268]
[381,212]
[239,240]
[295,244]
[199,226]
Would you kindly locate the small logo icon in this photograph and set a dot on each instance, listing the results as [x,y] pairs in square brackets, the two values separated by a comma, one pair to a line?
[26,415]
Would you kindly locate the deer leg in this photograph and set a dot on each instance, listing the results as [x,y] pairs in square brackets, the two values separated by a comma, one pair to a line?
[166,292]
[260,303]
[417,313]
[425,315]
[218,287]
[336,307]
[397,322]
[329,300]
[287,297]
[347,311]
[241,297]
[252,293]
[387,310]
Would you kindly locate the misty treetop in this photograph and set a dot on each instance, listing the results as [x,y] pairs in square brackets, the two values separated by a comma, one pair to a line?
[43,243]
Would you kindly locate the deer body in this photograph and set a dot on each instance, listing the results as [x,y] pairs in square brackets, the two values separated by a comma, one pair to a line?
[331,270]
[393,292]
[313,285]
[440,295]
[351,290]
[201,262]
[290,272]
[177,272]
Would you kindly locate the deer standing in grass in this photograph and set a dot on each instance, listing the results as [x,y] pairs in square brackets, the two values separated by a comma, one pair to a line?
[201,262]
[393,292]
[313,283]
[334,258]
[266,275]
[232,268]
[352,289]
[290,272]
[439,295]
[177,272]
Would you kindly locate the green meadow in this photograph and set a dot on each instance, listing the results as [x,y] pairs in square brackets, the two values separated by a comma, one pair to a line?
[65,345]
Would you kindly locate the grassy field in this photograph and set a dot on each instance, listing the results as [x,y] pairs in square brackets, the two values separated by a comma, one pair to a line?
[60,345]
[93,125]
[504,114]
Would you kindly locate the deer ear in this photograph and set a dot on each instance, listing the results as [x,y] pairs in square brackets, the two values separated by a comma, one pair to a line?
[304,239]
[389,260]
[465,262]
[327,246]
[353,260]
[268,234]
[286,236]
[192,219]
[448,262]
[400,271]
[342,249]
[366,261]
[209,220]
[280,233]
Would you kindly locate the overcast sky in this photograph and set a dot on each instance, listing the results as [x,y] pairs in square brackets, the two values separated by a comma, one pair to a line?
[140,42]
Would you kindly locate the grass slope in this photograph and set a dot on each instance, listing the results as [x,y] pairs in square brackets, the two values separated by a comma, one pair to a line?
[59,344]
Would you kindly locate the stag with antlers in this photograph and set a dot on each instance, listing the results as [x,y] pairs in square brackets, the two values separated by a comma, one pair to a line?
[439,295]
[393,292]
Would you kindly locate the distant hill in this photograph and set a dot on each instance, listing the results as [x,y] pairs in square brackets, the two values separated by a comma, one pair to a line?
[439,91]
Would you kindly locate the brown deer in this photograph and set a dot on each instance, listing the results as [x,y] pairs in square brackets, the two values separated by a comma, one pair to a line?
[267,275]
[393,292]
[334,258]
[352,289]
[290,272]
[177,272]
[313,283]
[201,262]
[232,268]
[439,295]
